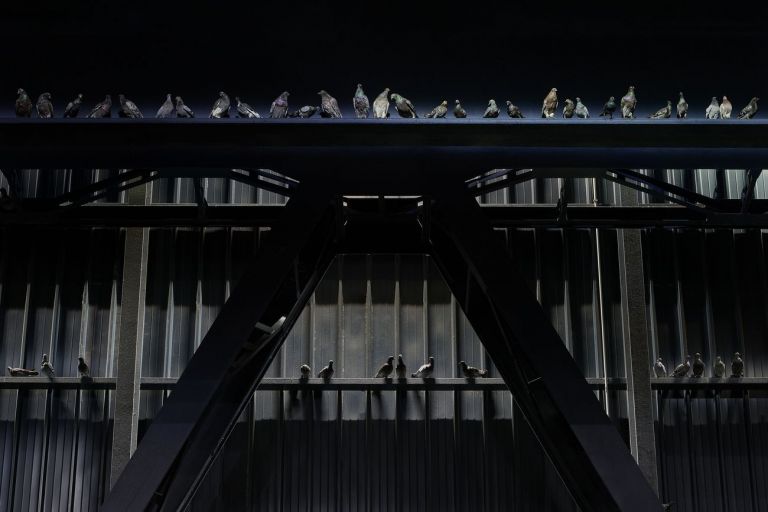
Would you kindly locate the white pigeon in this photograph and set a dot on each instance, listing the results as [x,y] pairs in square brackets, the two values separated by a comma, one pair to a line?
[718,369]
[713,110]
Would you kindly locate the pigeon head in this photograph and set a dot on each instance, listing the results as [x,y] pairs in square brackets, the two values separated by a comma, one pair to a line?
[108,98]
[554,89]
[400,357]
[462,364]
[755,100]
[431,359]
[736,354]
[491,102]
[322,92]
[509,102]
[178,99]
[578,100]
[121,97]
[285,94]
[168,96]
[612,98]
[688,357]
[45,356]
[725,98]
[444,103]
[658,360]
[631,88]
[458,102]
[395,97]
[359,86]
[387,89]
[79,96]
[714,99]
[697,355]
[390,359]
[330,364]
[21,91]
[681,94]
[718,359]
[81,359]
[237,99]
[669,103]
[46,95]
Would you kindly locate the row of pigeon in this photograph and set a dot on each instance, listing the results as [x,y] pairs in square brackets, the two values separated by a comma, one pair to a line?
[47,369]
[698,367]
[385,372]
[329,107]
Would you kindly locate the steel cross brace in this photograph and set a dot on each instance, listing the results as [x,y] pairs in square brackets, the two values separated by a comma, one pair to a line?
[229,363]
[584,445]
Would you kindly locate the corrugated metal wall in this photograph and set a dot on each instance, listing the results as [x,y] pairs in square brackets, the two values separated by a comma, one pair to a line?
[60,294]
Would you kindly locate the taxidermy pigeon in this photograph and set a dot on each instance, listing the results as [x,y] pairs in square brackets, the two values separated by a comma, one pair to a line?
[360,102]
[682,107]
[698,365]
[471,372]
[514,111]
[46,367]
[682,369]
[44,106]
[73,107]
[737,366]
[381,105]
[569,108]
[582,112]
[718,369]
[492,112]
[245,110]
[713,110]
[628,103]
[750,110]
[726,108]
[23,104]
[400,368]
[82,367]
[182,110]
[220,107]
[305,370]
[21,372]
[663,113]
[403,106]
[425,371]
[327,372]
[458,111]
[279,108]
[304,112]
[103,109]
[329,107]
[166,109]
[128,108]
[386,369]
[659,369]
[609,108]
[549,104]
[439,111]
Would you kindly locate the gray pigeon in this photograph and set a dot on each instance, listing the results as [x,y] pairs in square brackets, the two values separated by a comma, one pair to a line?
[73,107]
[713,110]
[23,104]
[569,108]
[682,107]
[166,109]
[629,103]
[458,111]
[439,111]
[549,105]
[471,372]
[327,372]
[279,108]
[304,112]
[425,371]
[609,108]
[360,102]
[245,110]
[698,365]
[381,105]
[82,367]
[737,366]
[21,372]
[400,369]
[582,112]
[750,110]
[46,366]
[514,111]
[129,108]
[492,112]
[329,107]
[726,108]
[683,368]
[182,110]
[663,113]
[44,106]
[103,109]
[7,204]
[306,371]
[718,369]
[659,369]
[668,506]
[403,106]
[386,369]
[220,107]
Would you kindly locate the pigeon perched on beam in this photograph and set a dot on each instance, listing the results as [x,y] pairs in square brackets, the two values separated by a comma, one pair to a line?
[182,110]
[458,111]
[439,111]
[750,110]
[629,103]
[304,112]
[400,369]
[609,108]
[569,108]
[329,107]
[220,107]
[425,371]
[44,106]
[492,112]
[245,110]
[682,107]
[279,108]
[659,369]
[698,365]
[129,108]
[23,104]
[305,371]
[726,107]
[663,113]
[718,369]
[737,366]
[549,105]
[403,106]
[166,109]
[360,102]
[102,109]
[471,372]
[46,366]
[73,107]
[21,372]
[683,368]
[82,367]
[581,111]
[327,372]
[381,105]
[386,369]
[514,111]
[713,110]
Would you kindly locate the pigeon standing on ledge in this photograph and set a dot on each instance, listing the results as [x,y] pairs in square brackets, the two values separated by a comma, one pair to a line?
[549,104]
[386,369]
[166,109]
[682,107]
[726,107]
[582,112]
[439,111]
[628,103]
[73,107]
[220,107]
[44,106]
[750,110]
[327,372]
[718,369]
[471,372]
[21,372]
[82,367]
[698,365]
[400,368]
[458,111]
[103,109]
[683,368]
[46,367]
[514,111]
[381,105]
[306,371]
[492,112]
[403,106]
[279,108]
[23,104]
[425,371]
[609,108]
[182,110]
[360,102]
[329,107]
[245,110]
[737,366]
[129,108]
[713,110]
[569,108]
[659,369]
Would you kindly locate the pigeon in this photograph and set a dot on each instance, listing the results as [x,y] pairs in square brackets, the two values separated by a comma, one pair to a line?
[73,107]
[103,109]
[458,111]
[492,112]
[360,102]
[327,372]
[304,112]
[628,103]
[549,104]
[682,107]
[569,108]
[698,365]
[514,111]
[737,366]
[718,369]
[668,506]
[471,372]
[329,107]
[44,106]
[682,369]
[381,105]
[305,370]
[609,108]
[21,372]
[425,371]
[713,110]
[386,369]
[659,369]
[82,367]
[439,111]
[245,110]
[403,106]
[582,112]
[279,108]
[128,108]
[220,107]
[23,104]
[7,204]
[663,113]
[726,108]
[166,109]
[46,367]
[750,110]
[182,110]
[400,368]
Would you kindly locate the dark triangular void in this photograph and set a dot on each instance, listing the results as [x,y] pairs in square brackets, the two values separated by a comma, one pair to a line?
[355,450]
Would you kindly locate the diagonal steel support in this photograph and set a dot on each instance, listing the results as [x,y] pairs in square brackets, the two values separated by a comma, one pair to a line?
[748,193]
[585,446]
[231,359]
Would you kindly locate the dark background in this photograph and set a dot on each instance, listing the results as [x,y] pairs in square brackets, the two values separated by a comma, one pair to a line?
[427,52]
